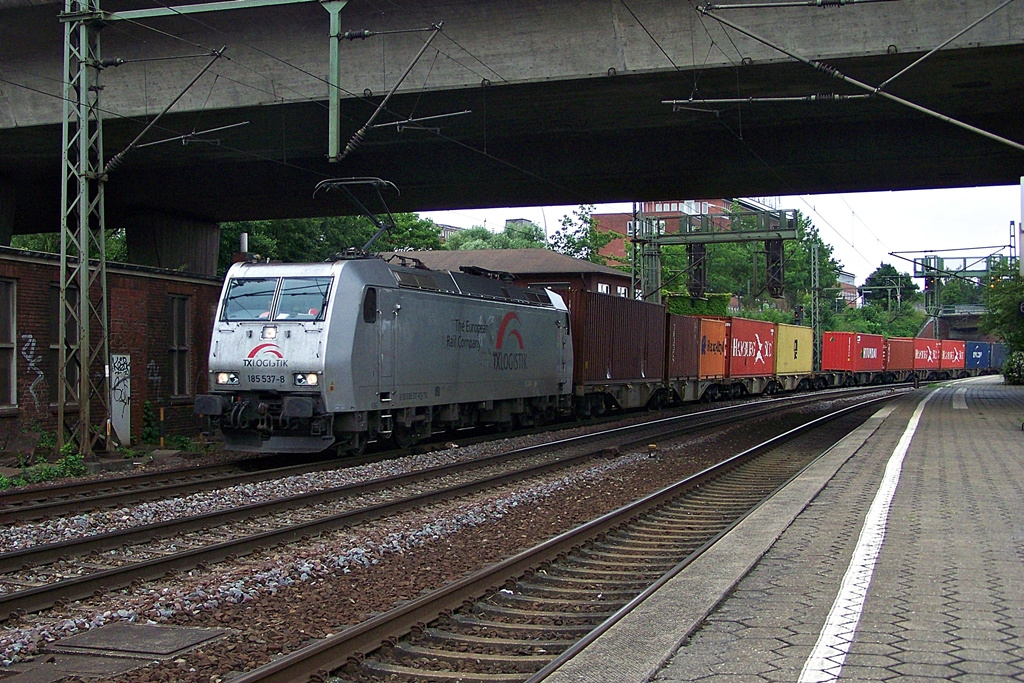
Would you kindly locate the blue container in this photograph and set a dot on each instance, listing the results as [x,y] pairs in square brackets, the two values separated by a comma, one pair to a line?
[979,356]
[999,352]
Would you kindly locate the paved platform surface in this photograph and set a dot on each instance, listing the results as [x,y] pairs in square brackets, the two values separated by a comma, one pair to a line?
[898,555]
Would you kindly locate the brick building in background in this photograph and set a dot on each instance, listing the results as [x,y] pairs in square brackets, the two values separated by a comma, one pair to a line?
[622,223]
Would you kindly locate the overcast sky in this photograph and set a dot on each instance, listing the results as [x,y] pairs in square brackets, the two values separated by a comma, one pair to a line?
[863,228]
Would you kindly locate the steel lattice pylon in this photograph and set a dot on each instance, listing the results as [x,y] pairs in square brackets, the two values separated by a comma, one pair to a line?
[83,325]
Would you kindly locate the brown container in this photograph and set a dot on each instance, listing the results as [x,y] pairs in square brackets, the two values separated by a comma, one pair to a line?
[615,339]
[899,353]
[696,347]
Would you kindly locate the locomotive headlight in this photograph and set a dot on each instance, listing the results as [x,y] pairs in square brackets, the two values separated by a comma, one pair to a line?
[227,378]
[306,379]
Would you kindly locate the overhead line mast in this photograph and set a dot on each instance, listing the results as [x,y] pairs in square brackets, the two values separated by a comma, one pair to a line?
[83,324]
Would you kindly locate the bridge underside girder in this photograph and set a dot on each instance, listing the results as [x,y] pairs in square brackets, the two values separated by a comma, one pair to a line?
[600,139]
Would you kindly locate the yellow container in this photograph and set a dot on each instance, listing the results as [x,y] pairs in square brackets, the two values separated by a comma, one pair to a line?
[794,350]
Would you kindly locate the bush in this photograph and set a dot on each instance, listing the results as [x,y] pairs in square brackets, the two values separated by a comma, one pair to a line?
[150,424]
[180,442]
[1013,368]
[71,465]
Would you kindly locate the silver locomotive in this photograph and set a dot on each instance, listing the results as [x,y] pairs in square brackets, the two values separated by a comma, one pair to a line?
[308,356]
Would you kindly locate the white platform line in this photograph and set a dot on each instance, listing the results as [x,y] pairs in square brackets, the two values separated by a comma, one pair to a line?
[826,659]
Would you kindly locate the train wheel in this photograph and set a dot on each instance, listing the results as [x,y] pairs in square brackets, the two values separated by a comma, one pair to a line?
[357,446]
[403,438]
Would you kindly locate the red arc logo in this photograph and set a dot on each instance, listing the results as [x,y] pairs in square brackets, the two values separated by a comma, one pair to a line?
[272,349]
[509,317]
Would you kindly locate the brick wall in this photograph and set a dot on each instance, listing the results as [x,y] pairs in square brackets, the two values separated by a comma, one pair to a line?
[140,326]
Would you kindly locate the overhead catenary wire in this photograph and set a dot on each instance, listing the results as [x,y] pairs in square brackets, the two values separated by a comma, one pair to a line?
[794,3]
[357,137]
[118,158]
[931,52]
[836,73]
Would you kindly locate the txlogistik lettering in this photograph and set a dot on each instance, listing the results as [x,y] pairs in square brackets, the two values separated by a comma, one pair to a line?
[509,361]
[265,362]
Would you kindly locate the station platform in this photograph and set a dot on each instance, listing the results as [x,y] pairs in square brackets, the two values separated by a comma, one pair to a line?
[897,555]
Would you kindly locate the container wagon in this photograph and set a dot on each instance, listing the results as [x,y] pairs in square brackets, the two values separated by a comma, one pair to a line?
[978,356]
[794,356]
[952,359]
[999,353]
[696,362]
[927,356]
[618,352]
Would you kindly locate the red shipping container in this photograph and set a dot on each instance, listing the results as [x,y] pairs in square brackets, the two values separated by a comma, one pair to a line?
[953,354]
[868,352]
[696,347]
[926,354]
[615,339]
[837,351]
[751,348]
[899,353]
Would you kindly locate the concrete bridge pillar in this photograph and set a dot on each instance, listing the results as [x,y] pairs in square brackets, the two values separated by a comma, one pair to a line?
[164,241]
[6,213]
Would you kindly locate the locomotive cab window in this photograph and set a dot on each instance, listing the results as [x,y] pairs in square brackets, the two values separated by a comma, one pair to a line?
[303,298]
[370,305]
[249,298]
[271,298]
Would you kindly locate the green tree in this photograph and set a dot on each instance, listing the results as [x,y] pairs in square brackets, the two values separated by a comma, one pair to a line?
[877,319]
[895,287]
[957,290]
[49,243]
[524,235]
[316,239]
[579,237]
[1004,297]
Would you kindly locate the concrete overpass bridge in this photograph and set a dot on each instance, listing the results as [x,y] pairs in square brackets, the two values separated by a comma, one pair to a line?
[563,101]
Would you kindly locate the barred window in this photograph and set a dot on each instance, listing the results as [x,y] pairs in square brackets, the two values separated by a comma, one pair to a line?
[178,352]
[8,359]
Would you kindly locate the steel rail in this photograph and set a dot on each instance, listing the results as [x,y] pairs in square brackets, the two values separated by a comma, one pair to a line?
[16,604]
[55,499]
[50,552]
[205,479]
[333,652]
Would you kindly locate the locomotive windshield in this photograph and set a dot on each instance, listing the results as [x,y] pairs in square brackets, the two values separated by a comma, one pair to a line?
[290,298]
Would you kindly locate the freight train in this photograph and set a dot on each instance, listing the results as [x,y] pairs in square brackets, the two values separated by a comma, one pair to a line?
[308,356]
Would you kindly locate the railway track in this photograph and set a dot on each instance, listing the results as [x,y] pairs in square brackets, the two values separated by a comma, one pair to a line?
[519,619]
[37,577]
[22,505]
[75,496]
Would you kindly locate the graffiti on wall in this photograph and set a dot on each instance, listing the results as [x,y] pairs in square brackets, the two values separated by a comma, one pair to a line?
[28,352]
[153,375]
[121,396]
